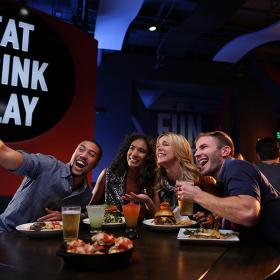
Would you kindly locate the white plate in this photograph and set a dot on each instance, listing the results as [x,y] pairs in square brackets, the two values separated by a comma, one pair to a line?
[149,223]
[44,233]
[231,239]
[107,225]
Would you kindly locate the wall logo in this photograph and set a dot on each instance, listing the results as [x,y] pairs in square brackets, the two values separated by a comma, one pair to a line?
[36,75]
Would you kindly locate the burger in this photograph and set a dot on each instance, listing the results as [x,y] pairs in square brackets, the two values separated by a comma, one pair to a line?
[112,215]
[164,216]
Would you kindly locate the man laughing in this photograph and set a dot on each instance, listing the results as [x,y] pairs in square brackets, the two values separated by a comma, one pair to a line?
[48,183]
[247,199]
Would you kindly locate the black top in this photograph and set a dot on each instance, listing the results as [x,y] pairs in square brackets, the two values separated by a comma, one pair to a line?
[271,172]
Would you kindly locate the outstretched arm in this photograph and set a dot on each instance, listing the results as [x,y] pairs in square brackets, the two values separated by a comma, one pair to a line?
[9,159]
[99,188]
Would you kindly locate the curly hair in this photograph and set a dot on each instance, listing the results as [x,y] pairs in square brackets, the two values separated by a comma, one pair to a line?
[182,150]
[147,173]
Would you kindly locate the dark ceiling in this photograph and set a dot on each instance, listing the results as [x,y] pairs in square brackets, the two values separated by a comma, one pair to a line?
[186,28]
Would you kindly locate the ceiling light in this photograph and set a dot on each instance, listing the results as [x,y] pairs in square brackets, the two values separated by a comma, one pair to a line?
[153,28]
[24,11]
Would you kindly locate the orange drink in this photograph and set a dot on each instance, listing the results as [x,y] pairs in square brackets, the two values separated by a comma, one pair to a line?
[131,213]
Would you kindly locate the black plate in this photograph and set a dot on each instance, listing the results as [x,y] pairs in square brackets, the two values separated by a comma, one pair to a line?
[106,261]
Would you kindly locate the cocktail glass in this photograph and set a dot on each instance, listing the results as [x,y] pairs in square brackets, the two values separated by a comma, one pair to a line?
[131,212]
[96,216]
[71,221]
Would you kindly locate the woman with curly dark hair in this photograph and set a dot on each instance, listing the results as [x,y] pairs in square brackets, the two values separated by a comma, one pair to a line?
[132,172]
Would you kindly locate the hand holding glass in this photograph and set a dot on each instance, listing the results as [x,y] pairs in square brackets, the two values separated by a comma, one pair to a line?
[96,216]
[71,221]
[131,213]
[186,207]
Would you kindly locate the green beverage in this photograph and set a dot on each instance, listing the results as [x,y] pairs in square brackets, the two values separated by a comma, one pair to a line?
[96,216]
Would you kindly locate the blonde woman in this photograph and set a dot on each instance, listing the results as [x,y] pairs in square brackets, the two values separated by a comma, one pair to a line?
[174,162]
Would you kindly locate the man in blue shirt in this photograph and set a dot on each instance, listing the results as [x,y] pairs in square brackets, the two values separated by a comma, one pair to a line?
[48,183]
[247,198]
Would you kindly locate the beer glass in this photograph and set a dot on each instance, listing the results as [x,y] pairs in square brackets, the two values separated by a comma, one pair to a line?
[96,217]
[186,207]
[71,221]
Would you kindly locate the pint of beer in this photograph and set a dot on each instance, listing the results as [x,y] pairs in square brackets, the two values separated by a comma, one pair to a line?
[71,221]
[186,207]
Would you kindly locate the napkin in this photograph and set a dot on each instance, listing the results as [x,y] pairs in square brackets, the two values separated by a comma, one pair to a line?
[178,217]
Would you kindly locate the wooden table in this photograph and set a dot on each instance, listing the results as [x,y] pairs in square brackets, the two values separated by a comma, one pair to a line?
[157,255]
